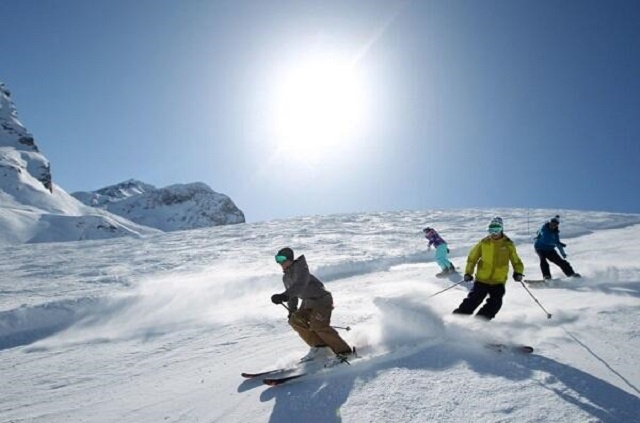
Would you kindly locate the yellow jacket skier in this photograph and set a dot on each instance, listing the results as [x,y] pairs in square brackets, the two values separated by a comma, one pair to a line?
[490,258]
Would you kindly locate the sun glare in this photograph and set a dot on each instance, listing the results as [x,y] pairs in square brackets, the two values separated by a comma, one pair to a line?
[319,107]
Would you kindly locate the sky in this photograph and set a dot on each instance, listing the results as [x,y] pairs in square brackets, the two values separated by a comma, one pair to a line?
[296,108]
[159,329]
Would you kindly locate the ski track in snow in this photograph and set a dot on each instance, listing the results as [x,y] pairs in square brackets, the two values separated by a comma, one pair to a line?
[159,329]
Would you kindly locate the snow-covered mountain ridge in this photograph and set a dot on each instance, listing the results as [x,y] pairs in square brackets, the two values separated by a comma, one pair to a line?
[176,207]
[34,209]
[20,158]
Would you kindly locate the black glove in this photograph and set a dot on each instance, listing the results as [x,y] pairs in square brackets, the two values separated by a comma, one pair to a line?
[517,276]
[279,298]
[467,277]
[562,244]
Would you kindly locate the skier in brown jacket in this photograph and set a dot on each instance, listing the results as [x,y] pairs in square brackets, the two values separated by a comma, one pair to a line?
[312,320]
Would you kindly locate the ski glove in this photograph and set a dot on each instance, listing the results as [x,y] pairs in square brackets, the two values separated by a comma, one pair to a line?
[562,244]
[467,277]
[517,276]
[279,298]
[564,255]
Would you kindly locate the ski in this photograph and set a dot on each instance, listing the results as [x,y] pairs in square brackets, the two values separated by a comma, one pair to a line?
[523,349]
[268,372]
[280,380]
[275,381]
[542,281]
[253,375]
[536,280]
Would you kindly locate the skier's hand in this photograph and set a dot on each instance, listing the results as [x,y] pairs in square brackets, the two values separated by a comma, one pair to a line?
[517,276]
[562,244]
[467,277]
[564,255]
[279,298]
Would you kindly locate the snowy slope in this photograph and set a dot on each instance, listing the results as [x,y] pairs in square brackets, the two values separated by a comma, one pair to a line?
[159,329]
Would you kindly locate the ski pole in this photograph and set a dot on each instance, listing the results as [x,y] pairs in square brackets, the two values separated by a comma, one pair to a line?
[536,300]
[446,289]
[347,328]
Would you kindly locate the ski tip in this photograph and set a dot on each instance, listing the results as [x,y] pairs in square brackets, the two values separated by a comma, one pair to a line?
[250,375]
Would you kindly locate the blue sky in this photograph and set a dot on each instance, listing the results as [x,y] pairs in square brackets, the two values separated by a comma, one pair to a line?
[438,104]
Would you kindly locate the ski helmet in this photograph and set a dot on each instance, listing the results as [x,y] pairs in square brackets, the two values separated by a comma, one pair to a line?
[286,252]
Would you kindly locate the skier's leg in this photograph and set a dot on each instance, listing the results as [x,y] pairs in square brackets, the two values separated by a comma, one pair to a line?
[555,258]
[320,324]
[441,256]
[544,265]
[473,300]
[494,302]
[299,321]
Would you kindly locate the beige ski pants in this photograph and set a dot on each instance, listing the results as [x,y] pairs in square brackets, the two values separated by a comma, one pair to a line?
[313,326]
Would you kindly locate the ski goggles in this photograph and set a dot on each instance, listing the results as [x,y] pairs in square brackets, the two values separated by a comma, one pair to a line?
[281,259]
[494,229]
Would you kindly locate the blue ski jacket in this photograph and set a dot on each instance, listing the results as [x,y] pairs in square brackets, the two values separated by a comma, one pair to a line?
[548,239]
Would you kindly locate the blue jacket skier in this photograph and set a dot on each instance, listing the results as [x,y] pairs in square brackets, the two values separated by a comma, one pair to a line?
[547,240]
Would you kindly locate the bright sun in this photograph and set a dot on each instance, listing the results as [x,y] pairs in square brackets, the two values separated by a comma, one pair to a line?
[319,107]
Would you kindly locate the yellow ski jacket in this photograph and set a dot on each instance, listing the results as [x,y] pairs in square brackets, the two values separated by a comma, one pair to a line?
[492,257]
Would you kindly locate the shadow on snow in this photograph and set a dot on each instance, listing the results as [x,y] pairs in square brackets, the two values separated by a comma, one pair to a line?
[319,399]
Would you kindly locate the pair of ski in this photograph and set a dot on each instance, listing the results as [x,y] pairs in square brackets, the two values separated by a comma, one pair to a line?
[275,381]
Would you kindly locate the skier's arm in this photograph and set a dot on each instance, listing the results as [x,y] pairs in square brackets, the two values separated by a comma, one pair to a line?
[560,245]
[430,241]
[538,235]
[518,266]
[561,249]
[472,259]
[292,304]
[301,279]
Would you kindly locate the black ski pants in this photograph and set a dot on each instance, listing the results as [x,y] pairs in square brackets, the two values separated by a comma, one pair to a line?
[477,294]
[554,258]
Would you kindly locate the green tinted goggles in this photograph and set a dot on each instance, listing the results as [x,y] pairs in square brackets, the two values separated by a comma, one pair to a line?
[281,259]
[494,229]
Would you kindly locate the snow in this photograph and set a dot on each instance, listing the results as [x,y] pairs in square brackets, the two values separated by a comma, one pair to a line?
[159,328]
